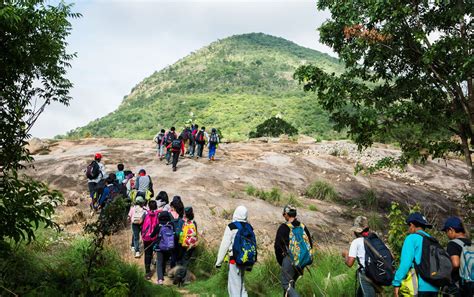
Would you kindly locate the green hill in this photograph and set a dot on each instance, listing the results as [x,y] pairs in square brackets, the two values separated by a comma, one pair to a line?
[233,84]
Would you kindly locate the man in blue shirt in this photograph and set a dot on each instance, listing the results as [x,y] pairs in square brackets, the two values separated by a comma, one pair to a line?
[411,252]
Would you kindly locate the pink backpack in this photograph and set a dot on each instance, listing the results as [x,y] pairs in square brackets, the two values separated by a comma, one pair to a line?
[149,223]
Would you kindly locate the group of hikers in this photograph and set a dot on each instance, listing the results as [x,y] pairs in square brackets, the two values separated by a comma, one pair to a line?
[168,230]
[170,145]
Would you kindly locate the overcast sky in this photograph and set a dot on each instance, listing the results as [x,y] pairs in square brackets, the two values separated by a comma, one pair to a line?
[119,43]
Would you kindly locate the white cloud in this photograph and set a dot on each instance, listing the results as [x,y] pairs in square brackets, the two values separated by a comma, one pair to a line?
[119,43]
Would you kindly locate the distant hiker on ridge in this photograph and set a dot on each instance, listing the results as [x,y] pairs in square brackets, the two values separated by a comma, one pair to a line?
[160,148]
[169,137]
[95,172]
[176,146]
[213,142]
[201,137]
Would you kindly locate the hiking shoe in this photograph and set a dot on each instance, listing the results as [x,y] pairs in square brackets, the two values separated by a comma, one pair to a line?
[212,158]
[174,168]
[137,255]
[160,282]
[148,275]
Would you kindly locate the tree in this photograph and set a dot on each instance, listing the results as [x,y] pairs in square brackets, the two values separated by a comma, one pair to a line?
[33,63]
[408,78]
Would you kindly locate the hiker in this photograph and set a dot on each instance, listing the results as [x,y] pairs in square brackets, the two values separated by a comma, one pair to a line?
[461,252]
[176,147]
[135,217]
[295,257]
[188,239]
[144,185]
[160,148]
[176,213]
[201,137]
[129,183]
[164,245]
[412,256]
[213,142]
[163,201]
[241,257]
[111,191]
[169,137]
[192,140]
[95,172]
[150,221]
[120,174]
[372,269]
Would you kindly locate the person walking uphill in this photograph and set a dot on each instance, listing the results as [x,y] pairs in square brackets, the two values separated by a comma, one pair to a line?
[169,137]
[201,137]
[213,142]
[461,252]
[160,148]
[95,172]
[176,147]
[135,217]
[150,221]
[374,271]
[143,185]
[293,250]
[165,243]
[417,250]
[239,244]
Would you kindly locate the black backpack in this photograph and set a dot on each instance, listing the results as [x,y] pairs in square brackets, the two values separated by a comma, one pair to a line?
[213,138]
[170,137]
[93,170]
[435,265]
[176,144]
[378,261]
[200,136]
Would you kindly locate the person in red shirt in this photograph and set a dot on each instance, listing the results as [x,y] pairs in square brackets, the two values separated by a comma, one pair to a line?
[176,147]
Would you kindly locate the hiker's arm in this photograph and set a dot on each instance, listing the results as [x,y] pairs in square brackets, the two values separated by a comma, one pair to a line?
[155,231]
[309,236]
[182,148]
[406,260]
[455,261]
[224,248]
[350,256]
[281,243]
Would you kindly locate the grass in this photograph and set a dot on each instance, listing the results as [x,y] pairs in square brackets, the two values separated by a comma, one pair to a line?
[275,196]
[313,207]
[328,276]
[322,190]
[60,269]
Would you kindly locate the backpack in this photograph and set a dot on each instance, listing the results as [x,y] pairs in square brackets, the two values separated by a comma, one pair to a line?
[300,252]
[138,214]
[466,265]
[120,175]
[244,249]
[200,136]
[166,237]
[159,138]
[170,137]
[93,170]
[188,237]
[176,144]
[435,265]
[149,224]
[378,261]
[213,138]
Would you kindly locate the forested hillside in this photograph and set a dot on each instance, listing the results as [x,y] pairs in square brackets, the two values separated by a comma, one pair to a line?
[233,84]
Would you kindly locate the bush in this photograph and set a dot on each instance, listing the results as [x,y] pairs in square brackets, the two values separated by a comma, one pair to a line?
[274,196]
[321,190]
[273,127]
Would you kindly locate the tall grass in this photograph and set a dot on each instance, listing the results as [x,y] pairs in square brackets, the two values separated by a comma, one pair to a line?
[275,196]
[321,190]
[327,276]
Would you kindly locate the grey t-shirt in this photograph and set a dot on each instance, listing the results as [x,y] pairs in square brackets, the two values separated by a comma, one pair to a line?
[142,184]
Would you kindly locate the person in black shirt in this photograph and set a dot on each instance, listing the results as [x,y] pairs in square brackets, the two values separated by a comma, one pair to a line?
[289,274]
[456,233]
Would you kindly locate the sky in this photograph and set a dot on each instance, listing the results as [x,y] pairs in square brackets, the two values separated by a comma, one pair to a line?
[119,43]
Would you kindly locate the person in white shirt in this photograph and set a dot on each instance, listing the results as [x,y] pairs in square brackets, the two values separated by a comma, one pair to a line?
[357,252]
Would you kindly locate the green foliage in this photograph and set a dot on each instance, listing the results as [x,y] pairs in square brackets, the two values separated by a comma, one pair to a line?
[274,127]
[322,190]
[408,76]
[328,276]
[398,228]
[60,269]
[313,207]
[32,71]
[274,196]
[234,84]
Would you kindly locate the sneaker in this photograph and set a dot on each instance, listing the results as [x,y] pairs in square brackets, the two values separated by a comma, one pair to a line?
[212,158]
[148,275]
[137,254]
[159,282]
[174,168]
[132,249]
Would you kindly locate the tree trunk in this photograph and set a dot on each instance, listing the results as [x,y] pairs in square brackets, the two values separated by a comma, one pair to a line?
[467,157]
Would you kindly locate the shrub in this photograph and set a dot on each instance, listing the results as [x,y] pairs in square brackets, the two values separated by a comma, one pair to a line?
[313,207]
[273,127]
[274,196]
[250,190]
[321,190]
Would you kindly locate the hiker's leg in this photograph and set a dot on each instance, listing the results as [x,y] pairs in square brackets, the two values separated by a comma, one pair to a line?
[175,159]
[199,152]
[234,281]
[365,287]
[92,187]
[147,246]
[243,291]
[288,278]
[168,155]
[160,265]
[136,236]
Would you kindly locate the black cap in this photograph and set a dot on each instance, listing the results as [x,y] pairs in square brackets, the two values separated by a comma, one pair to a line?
[418,218]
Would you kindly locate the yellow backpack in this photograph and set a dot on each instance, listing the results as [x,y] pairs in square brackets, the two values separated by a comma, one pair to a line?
[188,237]
[409,286]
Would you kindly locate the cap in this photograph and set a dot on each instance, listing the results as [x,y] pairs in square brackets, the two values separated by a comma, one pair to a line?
[360,223]
[418,218]
[98,156]
[139,199]
[453,222]
[289,210]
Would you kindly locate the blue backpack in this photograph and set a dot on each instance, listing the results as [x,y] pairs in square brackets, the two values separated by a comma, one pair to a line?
[244,249]
[166,237]
[120,175]
[300,252]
